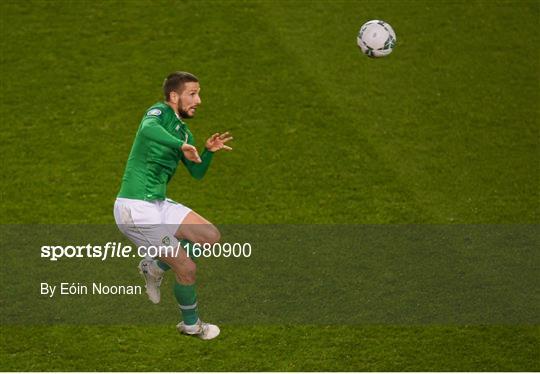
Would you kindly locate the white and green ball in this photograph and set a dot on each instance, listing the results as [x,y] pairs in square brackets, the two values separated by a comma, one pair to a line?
[376,38]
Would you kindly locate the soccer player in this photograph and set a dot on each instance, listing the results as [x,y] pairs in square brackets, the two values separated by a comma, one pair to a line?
[147,217]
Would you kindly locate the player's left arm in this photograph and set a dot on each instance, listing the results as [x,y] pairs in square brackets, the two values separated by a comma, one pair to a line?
[215,143]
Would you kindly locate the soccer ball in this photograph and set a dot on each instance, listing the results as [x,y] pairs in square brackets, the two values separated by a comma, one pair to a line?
[376,38]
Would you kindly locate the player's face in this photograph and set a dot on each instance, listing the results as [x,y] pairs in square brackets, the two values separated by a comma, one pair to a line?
[189,99]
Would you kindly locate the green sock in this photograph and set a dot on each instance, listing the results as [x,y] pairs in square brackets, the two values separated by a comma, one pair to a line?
[163,265]
[187,300]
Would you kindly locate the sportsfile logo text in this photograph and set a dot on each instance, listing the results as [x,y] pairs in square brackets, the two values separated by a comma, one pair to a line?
[118,250]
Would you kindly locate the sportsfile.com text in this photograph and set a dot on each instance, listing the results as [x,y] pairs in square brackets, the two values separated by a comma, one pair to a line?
[118,250]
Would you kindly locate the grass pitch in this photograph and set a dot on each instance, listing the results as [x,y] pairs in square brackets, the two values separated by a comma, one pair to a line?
[445,130]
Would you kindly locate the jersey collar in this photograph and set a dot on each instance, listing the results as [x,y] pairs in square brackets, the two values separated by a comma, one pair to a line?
[174,111]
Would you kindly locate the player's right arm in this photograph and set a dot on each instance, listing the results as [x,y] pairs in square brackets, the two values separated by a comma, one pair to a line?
[151,129]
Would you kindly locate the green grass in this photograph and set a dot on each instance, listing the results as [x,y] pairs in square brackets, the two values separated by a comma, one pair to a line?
[272,348]
[445,130]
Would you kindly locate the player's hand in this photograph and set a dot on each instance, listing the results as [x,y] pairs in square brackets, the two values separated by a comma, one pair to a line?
[190,152]
[217,142]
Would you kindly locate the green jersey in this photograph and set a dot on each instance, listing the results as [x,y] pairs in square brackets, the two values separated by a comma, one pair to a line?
[155,154]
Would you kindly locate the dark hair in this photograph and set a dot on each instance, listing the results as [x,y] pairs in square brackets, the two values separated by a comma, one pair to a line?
[175,81]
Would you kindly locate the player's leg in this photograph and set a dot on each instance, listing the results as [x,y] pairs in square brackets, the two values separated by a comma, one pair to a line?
[185,293]
[193,229]
[184,287]
[187,227]
[197,229]
[140,222]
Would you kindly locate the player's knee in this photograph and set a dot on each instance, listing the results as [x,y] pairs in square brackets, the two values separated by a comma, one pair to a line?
[212,235]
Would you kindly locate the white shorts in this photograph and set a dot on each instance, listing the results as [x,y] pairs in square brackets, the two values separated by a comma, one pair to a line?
[150,223]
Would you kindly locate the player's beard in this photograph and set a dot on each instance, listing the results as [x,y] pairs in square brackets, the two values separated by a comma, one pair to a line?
[182,113]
